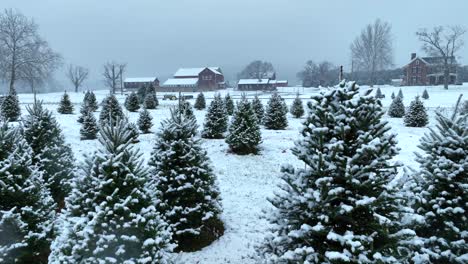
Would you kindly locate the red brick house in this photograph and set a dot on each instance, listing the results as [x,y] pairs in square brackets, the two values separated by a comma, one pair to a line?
[195,79]
[427,71]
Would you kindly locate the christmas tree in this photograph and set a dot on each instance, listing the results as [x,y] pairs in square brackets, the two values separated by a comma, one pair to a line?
[338,208]
[216,119]
[131,102]
[464,108]
[89,128]
[9,108]
[200,102]
[275,113]
[378,94]
[27,210]
[141,92]
[84,109]
[425,95]
[416,115]
[297,109]
[258,109]
[392,96]
[134,133]
[110,216]
[400,94]
[397,108]
[244,132]
[185,108]
[186,184]
[92,102]
[111,110]
[440,198]
[51,154]
[229,104]
[65,106]
[151,101]
[145,121]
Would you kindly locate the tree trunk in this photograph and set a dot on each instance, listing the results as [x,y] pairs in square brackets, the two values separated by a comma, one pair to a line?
[446,76]
[76,88]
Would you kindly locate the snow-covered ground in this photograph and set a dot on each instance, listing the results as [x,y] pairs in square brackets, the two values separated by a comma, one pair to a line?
[247,181]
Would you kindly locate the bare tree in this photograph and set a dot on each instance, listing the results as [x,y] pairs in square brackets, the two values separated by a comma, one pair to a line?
[77,75]
[257,70]
[25,55]
[122,68]
[372,50]
[443,42]
[112,74]
[322,74]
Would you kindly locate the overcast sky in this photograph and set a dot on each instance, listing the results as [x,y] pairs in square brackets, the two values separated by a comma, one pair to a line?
[156,37]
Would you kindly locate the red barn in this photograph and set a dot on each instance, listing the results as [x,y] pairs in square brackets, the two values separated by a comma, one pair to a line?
[195,79]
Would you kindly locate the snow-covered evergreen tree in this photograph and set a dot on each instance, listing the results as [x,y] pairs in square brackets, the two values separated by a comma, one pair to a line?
[89,127]
[185,108]
[92,102]
[400,94]
[229,104]
[141,92]
[27,210]
[51,154]
[132,103]
[84,109]
[65,106]
[392,96]
[186,184]
[297,109]
[258,109]
[244,132]
[416,115]
[151,101]
[111,110]
[110,216]
[134,133]
[441,196]
[338,208]
[145,121]
[397,108]
[275,113]
[464,108]
[425,95]
[9,108]
[378,94]
[200,102]
[216,119]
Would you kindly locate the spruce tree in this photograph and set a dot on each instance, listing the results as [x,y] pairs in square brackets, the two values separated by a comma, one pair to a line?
[65,106]
[400,94]
[9,108]
[378,94]
[131,102]
[185,108]
[110,216]
[258,109]
[27,210]
[441,196]
[141,92]
[216,119]
[134,133]
[425,95]
[186,184]
[416,115]
[150,101]
[145,121]
[297,109]
[464,108]
[51,154]
[397,108]
[275,113]
[84,109]
[92,102]
[111,110]
[392,96]
[339,207]
[200,102]
[244,132]
[229,104]
[89,127]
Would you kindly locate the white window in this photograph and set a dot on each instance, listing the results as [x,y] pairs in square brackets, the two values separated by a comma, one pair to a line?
[417,62]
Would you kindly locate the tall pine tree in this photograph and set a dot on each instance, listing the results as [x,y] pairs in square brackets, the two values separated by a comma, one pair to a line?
[216,119]
[275,113]
[65,106]
[150,101]
[110,215]
[339,208]
[92,102]
[89,127]
[258,109]
[229,104]
[111,110]
[186,184]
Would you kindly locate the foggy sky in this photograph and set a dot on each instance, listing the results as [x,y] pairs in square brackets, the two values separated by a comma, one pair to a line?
[156,37]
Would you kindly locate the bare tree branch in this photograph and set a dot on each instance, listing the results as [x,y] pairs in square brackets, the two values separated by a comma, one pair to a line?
[77,75]
[112,74]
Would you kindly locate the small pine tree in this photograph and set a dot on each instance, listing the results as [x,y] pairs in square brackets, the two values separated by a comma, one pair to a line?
[229,104]
[27,210]
[185,108]
[92,102]
[257,106]
[134,133]
[400,94]
[200,103]
[441,199]
[9,108]
[244,132]
[151,101]
[393,95]
[216,119]
[339,207]
[275,113]
[416,115]
[84,109]
[131,102]
[297,109]
[186,183]
[110,215]
[141,92]
[145,121]
[111,110]
[378,94]
[66,106]
[51,154]
[425,95]
[397,108]
[89,128]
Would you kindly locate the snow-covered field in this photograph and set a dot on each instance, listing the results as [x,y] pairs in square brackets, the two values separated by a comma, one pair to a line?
[246,181]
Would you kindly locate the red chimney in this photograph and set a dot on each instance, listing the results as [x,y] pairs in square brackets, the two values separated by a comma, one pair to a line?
[413,56]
